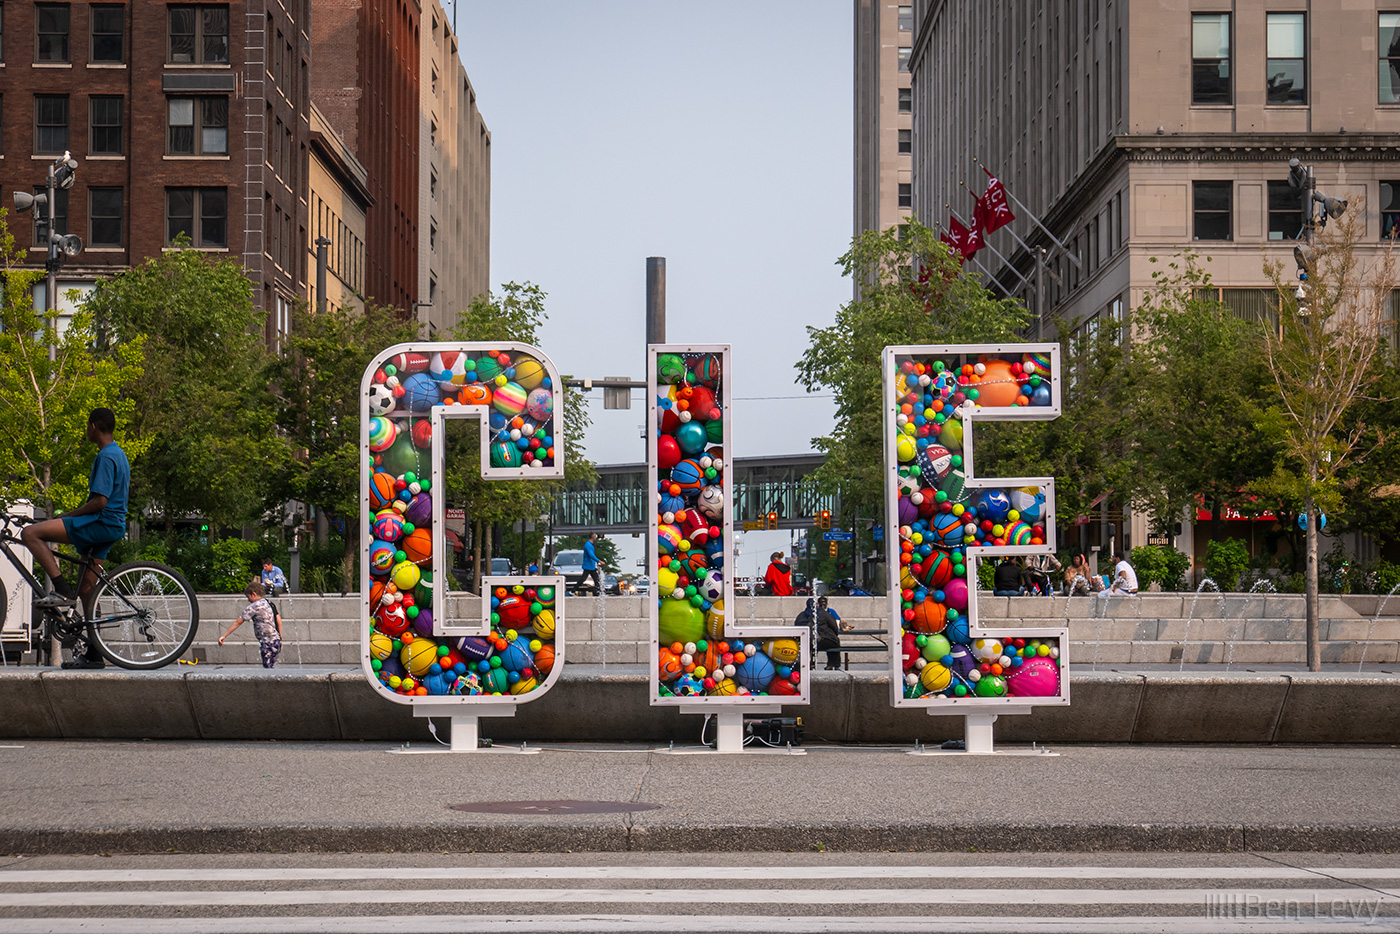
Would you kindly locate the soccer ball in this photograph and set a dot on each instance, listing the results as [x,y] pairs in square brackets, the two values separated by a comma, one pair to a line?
[987,650]
[712,586]
[381,399]
[710,502]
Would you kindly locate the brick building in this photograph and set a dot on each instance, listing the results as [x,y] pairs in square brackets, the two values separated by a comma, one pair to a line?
[366,83]
[185,118]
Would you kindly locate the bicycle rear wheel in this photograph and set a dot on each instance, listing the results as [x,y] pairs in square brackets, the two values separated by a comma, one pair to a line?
[145,616]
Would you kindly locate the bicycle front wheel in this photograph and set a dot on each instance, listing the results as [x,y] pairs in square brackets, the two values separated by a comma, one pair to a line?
[145,616]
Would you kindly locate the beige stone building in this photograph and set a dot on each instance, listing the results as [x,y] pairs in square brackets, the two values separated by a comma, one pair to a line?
[883,134]
[339,192]
[454,195]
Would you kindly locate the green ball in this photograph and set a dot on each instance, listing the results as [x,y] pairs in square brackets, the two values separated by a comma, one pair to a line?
[953,616]
[1035,381]
[920,640]
[701,645]
[973,393]
[546,595]
[680,622]
[390,369]
[991,686]
[938,366]
[376,664]
[495,661]
[412,612]
[535,608]
[398,646]
[697,601]
[425,485]
[410,477]
[960,690]
[495,619]
[959,570]
[935,647]
[408,528]
[956,460]
[940,497]
[443,650]
[690,590]
[400,556]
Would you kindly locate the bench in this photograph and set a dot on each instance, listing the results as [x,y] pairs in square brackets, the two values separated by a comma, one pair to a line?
[878,634]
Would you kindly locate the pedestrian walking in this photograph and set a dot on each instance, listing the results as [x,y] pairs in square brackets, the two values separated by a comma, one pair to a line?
[829,628]
[590,564]
[267,623]
[808,619]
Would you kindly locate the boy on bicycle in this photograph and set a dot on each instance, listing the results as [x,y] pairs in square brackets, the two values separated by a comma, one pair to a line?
[93,527]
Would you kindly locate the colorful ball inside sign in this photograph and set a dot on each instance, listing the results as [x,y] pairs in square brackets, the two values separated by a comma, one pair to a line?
[956,631]
[420,393]
[951,435]
[488,368]
[714,621]
[422,434]
[381,491]
[475,394]
[473,648]
[1037,677]
[668,665]
[448,368]
[949,528]
[702,403]
[423,593]
[714,430]
[420,510]
[691,437]
[991,686]
[987,650]
[1029,502]
[710,502]
[423,622]
[524,686]
[935,461]
[669,538]
[408,363]
[388,526]
[688,475]
[1041,361]
[381,557]
[908,512]
[418,655]
[998,387]
[783,651]
[496,681]
[513,610]
[672,504]
[905,449]
[680,622]
[993,505]
[505,454]
[670,368]
[1040,395]
[668,452]
[405,575]
[544,659]
[955,594]
[529,373]
[381,645]
[517,656]
[380,400]
[755,672]
[1019,534]
[935,647]
[725,688]
[953,485]
[938,569]
[539,404]
[712,586]
[929,616]
[706,370]
[381,433]
[543,624]
[391,620]
[934,677]
[418,545]
[509,400]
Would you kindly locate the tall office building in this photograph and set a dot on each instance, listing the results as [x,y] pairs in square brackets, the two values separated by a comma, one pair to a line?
[883,131]
[186,119]
[454,203]
[1135,130]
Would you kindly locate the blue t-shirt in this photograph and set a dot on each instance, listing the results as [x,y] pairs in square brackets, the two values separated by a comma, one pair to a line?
[590,557]
[111,477]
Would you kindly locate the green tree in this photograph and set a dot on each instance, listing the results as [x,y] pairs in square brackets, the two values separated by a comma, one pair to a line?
[317,383]
[1321,359]
[44,404]
[911,292]
[201,400]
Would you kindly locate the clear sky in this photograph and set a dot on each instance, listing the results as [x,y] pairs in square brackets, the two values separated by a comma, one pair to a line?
[716,134]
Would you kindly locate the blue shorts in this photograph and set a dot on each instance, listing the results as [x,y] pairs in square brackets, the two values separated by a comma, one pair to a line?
[90,535]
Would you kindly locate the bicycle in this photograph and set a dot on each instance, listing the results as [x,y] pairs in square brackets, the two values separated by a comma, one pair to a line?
[142,615]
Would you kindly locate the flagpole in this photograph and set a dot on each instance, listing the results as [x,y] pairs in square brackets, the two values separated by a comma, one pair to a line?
[1024,281]
[1035,220]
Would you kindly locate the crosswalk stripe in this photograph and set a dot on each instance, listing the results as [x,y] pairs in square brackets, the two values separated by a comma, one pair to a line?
[689,924]
[671,873]
[566,896]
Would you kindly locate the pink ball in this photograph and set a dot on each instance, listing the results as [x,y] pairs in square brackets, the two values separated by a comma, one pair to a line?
[1037,677]
[955,594]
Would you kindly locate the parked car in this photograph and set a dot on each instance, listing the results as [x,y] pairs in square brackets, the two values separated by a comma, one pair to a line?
[502,566]
[569,563]
[642,585]
[611,585]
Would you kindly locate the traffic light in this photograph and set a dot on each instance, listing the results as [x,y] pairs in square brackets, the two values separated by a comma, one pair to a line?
[831,549]
[824,519]
[772,520]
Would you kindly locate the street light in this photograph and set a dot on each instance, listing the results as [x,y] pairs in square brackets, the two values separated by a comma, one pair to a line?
[1300,179]
[62,174]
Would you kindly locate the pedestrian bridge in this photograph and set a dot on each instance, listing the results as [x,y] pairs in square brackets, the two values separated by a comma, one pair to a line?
[620,501]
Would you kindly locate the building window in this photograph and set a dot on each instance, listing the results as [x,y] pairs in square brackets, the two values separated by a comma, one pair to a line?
[432,132]
[199,35]
[199,213]
[906,100]
[1285,214]
[108,33]
[1286,74]
[198,126]
[1390,210]
[1210,58]
[50,124]
[1211,207]
[906,194]
[904,52]
[1390,58]
[432,237]
[60,216]
[51,29]
[106,126]
[432,183]
[906,18]
[105,216]
[906,140]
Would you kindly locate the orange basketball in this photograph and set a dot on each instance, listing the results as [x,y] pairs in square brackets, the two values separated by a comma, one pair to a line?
[475,394]
[376,593]
[929,616]
[998,387]
[418,546]
[544,659]
[670,666]
[381,491]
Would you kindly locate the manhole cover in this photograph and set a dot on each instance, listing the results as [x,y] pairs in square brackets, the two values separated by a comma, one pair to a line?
[553,807]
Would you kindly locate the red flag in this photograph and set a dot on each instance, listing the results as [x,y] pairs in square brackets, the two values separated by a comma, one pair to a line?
[956,237]
[992,212]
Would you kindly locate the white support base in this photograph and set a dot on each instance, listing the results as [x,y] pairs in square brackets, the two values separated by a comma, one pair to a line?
[977,736]
[729,737]
[466,730]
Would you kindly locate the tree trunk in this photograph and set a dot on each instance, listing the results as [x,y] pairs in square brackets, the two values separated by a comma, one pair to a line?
[1314,640]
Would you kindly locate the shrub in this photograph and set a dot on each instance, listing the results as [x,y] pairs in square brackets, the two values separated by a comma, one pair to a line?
[1226,561]
[1387,576]
[1161,565]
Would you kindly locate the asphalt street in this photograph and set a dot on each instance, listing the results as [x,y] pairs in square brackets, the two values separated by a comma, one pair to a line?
[678,892]
[75,797]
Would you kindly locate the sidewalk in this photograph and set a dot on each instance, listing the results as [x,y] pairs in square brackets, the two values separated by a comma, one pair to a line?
[216,797]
